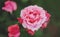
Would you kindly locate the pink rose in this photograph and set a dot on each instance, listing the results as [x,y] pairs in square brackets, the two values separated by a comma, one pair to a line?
[14,31]
[34,17]
[10,6]
[20,20]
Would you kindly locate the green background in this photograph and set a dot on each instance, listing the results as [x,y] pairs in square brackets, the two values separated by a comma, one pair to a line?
[52,6]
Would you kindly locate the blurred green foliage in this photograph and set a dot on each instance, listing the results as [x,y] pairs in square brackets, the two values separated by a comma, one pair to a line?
[52,6]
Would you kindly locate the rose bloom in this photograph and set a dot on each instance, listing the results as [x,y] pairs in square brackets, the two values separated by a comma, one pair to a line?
[34,17]
[9,6]
[14,31]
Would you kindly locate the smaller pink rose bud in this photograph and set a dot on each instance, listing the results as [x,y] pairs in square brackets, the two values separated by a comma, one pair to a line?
[48,16]
[10,6]
[20,20]
[30,32]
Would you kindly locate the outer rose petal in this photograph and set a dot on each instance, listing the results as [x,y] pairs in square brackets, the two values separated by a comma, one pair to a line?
[44,25]
[48,16]
[9,6]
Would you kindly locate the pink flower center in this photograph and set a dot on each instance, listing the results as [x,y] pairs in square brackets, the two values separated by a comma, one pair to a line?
[33,16]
